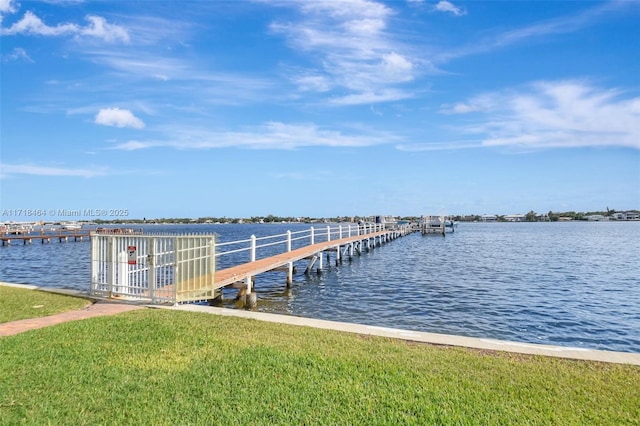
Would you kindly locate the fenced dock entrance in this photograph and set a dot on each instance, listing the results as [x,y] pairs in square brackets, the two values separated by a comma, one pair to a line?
[158,269]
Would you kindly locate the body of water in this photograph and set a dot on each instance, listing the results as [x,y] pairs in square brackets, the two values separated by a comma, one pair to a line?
[570,284]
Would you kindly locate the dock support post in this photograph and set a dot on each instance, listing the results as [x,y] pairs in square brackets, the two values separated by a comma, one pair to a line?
[250,298]
[312,261]
[319,270]
[218,298]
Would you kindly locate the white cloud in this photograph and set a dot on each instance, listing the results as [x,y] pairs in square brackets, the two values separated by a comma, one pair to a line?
[349,42]
[446,6]
[98,27]
[312,83]
[270,135]
[371,97]
[16,54]
[30,169]
[134,145]
[439,146]
[31,24]
[119,118]
[539,30]
[480,103]
[7,6]
[559,114]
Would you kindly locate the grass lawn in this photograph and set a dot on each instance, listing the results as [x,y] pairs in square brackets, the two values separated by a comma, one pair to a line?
[19,303]
[172,367]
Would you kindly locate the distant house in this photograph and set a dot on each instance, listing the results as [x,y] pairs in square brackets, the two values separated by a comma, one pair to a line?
[632,215]
[565,218]
[489,218]
[597,217]
[515,218]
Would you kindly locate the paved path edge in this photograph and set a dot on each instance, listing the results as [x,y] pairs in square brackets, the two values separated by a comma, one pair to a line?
[424,337]
[408,335]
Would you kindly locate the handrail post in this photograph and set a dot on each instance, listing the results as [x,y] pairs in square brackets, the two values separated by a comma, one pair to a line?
[253,248]
[329,233]
[290,264]
[340,232]
[312,237]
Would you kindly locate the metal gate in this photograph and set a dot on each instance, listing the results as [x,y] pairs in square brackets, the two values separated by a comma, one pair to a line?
[158,269]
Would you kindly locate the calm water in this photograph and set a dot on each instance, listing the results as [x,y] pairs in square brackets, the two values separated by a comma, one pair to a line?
[569,284]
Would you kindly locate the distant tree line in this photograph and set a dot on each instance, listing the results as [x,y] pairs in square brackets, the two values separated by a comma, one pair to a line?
[531,216]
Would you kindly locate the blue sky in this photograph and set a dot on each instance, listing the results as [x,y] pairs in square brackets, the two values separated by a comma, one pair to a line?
[323,108]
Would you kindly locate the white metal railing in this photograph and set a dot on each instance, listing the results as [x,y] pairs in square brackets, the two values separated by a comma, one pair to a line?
[253,248]
[160,269]
[179,268]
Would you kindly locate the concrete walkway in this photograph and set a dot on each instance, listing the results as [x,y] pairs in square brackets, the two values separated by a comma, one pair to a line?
[102,307]
[93,310]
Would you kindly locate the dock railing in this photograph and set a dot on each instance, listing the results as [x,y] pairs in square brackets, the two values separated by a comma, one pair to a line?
[181,268]
[248,250]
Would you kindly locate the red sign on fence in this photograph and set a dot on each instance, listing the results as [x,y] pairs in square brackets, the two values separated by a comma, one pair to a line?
[132,251]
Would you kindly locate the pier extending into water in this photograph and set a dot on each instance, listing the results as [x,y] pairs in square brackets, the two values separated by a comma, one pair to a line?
[185,268]
[44,236]
[62,235]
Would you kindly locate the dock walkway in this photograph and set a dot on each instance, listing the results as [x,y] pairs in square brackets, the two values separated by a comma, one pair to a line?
[62,235]
[44,236]
[228,276]
[183,268]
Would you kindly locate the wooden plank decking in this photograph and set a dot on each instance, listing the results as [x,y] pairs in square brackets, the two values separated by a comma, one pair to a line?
[228,276]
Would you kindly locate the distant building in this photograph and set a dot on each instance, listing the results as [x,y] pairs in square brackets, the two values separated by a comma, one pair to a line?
[489,218]
[515,218]
[597,217]
[630,215]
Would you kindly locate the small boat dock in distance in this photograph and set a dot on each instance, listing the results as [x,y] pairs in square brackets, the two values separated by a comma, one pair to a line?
[437,225]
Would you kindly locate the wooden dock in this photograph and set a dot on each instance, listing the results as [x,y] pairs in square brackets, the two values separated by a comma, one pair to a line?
[185,268]
[62,235]
[242,276]
[45,236]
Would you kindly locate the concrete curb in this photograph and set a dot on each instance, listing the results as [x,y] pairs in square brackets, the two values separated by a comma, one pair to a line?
[408,335]
[422,337]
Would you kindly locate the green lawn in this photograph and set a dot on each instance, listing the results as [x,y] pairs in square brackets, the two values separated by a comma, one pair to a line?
[173,367]
[19,303]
